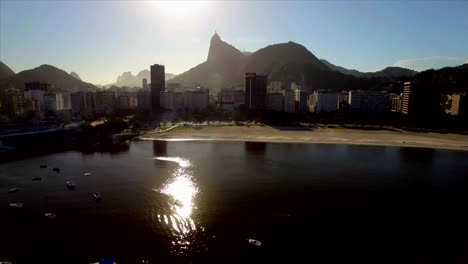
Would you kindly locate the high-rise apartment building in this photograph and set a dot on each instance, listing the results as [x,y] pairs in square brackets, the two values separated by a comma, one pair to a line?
[255,91]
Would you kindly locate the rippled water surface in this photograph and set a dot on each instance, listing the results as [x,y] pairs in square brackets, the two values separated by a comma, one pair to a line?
[199,202]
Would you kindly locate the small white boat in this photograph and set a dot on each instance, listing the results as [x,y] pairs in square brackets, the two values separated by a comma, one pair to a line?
[71,185]
[13,190]
[16,205]
[87,174]
[254,242]
[97,196]
[50,215]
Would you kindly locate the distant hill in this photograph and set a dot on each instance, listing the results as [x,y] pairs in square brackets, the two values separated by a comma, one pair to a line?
[389,72]
[448,79]
[58,78]
[5,71]
[130,80]
[75,75]
[226,65]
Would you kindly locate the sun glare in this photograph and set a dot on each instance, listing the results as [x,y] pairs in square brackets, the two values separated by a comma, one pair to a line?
[179,9]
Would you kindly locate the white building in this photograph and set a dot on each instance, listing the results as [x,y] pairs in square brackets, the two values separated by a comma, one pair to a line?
[289,101]
[324,101]
[275,101]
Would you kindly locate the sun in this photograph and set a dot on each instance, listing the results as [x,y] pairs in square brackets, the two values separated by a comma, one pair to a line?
[179,9]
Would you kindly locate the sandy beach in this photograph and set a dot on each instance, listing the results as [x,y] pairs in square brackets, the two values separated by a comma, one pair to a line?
[315,135]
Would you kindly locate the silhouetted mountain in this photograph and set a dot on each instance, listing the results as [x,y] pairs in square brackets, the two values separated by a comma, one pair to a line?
[389,72]
[5,71]
[75,75]
[130,80]
[58,78]
[448,80]
[226,65]
[342,69]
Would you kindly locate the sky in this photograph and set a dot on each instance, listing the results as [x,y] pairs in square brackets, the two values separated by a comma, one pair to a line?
[102,39]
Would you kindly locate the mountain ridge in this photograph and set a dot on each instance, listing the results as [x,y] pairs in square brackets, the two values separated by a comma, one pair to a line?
[58,78]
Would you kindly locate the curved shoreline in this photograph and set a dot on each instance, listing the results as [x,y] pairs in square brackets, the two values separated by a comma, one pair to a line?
[314,136]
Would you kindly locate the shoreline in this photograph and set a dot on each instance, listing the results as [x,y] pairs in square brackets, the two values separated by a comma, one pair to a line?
[384,138]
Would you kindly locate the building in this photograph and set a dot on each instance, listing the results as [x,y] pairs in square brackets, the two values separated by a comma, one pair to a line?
[255,91]
[31,105]
[127,101]
[197,99]
[174,86]
[144,99]
[144,84]
[66,97]
[275,87]
[343,97]
[460,104]
[230,98]
[53,101]
[158,84]
[324,101]
[35,91]
[167,100]
[289,101]
[397,104]
[369,101]
[301,97]
[83,103]
[106,102]
[12,101]
[295,86]
[420,100]
[275,101]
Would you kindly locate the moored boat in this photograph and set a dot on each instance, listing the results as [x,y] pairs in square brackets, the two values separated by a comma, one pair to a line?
[16,205]
[13,190]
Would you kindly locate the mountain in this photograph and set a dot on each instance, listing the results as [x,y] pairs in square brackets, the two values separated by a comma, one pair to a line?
[226,65]
[58,78]
[5,71]
[130,80]
[75,75]
[389,72]
[342,69]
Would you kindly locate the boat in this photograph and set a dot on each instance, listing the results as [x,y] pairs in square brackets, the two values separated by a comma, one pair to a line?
[97,196]
[16,205]
[87,174]
[36,178]
[70,185]
[50,215]
[43,166]
[254,242]
[13,190]
[56,170]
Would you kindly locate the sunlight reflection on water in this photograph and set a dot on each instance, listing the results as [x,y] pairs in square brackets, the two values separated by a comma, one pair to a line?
[182,190]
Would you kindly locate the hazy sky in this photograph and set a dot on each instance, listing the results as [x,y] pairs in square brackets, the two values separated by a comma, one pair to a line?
[101,39]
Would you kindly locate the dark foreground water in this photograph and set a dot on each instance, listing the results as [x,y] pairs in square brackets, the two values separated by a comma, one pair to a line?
[168,202]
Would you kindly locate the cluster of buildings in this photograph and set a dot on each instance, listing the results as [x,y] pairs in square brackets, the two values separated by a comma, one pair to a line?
[257,94]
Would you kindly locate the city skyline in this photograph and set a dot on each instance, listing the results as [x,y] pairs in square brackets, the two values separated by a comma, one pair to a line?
[101,40]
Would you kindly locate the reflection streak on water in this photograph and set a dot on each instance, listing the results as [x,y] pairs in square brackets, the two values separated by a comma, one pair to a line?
[181,188]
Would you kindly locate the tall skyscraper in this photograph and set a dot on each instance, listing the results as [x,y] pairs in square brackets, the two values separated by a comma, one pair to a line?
[158,85]
[145,83]
[255,91]
[460,104]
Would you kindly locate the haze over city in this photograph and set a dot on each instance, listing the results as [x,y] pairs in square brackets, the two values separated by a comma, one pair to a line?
[101,39]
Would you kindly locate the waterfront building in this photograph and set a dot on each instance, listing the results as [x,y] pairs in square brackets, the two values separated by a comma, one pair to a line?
[255,91]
